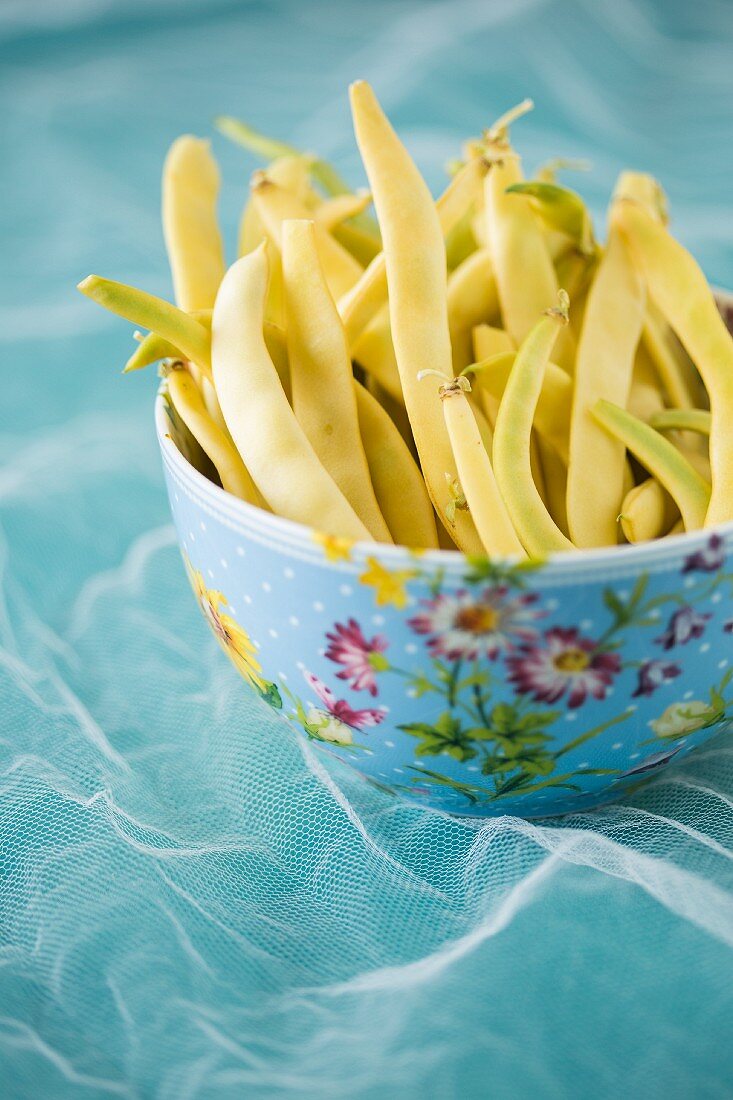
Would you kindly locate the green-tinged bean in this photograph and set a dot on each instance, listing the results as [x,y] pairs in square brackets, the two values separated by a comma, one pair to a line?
[661,459]
[685,420]
[537,530]
[150,312]
[681,291]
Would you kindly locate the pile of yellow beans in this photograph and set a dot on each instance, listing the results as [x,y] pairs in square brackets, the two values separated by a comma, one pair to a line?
[478,371]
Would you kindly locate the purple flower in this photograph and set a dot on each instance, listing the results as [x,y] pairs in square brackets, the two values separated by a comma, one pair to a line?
[707,560]
[728,626]
[653,674]
[684,626]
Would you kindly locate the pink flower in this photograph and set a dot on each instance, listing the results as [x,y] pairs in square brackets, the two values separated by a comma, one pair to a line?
[566,662]
[338,712]
[361,658]
[468,626]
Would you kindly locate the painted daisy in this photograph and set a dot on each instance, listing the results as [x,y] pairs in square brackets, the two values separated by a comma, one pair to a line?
[565,662]
[466,625]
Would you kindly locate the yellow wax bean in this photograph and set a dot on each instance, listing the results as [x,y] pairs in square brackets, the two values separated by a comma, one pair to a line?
[680,380]
[251,230]
[189,405]
[662,460]
[292,173]
[361,303]
[274,306]
[574,273]
[691,420]
[396,477]
[271,442]
[552,481]
[603,369]
[153,313]
[332,212]
[190,226]
[472,299]
[647,512]
[277,348]
[263,146]
[463,239]
[490,343]
[562,211]
[476,475]
[270,149]
[525,276]
[367,296]
[395,410]
[680,289]
[374,351]
[698,460]
[537,530]
[320,375]
[645,395]
[361,243]
[415,258]
[645,190]
[646,403]
[151,349]
[552,415]
[274,205]
[324,174]
[487,343]
[485,427]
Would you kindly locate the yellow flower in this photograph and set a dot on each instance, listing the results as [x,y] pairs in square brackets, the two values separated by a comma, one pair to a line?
[389,588]
[233,639]
[335,548]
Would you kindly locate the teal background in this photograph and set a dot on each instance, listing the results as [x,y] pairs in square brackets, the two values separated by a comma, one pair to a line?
[189,905]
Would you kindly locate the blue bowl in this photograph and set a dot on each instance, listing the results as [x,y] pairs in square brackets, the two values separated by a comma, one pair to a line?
[472,686]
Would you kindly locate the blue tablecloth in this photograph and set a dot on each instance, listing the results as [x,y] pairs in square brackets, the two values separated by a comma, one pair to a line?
[190,907]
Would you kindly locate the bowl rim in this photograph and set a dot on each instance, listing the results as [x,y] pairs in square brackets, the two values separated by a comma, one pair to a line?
[245,516]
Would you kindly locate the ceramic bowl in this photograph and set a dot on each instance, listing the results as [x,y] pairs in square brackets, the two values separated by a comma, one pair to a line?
[468,685]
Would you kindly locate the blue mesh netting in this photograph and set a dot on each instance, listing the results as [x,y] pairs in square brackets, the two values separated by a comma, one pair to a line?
[190,906]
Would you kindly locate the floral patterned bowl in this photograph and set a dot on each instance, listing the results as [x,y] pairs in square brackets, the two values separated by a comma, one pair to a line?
[472,686]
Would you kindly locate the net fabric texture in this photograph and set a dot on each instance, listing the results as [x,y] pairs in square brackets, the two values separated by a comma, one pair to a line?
[191,905]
